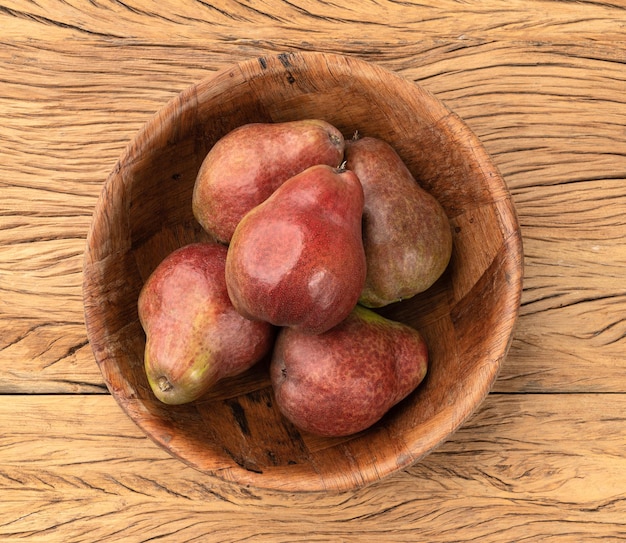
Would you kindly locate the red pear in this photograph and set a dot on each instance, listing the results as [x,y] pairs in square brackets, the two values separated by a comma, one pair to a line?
[297,259]
[194,336]
[249,163]
[343,381]
[406,233]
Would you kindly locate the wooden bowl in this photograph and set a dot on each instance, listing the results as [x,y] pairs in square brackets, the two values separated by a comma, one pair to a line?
[236,432]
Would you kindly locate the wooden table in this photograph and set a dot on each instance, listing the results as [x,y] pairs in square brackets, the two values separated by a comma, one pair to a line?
[542,83]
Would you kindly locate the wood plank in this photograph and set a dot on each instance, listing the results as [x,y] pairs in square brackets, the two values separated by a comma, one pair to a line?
[77,466]
[230,20]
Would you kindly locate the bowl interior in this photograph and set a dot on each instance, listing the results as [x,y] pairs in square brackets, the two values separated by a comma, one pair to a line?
[236,432]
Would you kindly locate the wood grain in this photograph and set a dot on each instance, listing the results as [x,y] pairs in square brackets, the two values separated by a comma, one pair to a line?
[68,112]
[501,478]
[542,84]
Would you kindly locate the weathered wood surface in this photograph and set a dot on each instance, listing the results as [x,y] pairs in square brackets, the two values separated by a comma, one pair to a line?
[504,477]
[542,83]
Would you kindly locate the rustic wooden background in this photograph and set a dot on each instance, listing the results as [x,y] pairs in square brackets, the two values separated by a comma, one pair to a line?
[542,83]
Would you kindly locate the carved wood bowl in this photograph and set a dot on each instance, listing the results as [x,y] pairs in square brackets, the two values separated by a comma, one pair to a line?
[235,432]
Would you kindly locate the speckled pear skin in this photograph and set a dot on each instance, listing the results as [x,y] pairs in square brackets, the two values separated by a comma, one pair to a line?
[406,233]
[249,163]
[343,381]
[297,259]
[194,336]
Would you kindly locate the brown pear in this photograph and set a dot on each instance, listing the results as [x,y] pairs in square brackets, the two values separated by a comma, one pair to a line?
[406,233]
[343,381]
[297,259]
[194,336]
[249,163]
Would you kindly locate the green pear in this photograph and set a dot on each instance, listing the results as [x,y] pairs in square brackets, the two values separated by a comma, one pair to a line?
[297,259]
[194,336]
[249,163]
[343,381]
[406,233]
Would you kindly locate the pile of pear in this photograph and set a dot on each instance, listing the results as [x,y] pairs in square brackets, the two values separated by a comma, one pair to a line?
[310,233]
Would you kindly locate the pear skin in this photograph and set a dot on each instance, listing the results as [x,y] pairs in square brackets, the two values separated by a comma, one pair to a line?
[194,336]
[343,381]
[297,259]
[406,233]
[249,163]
